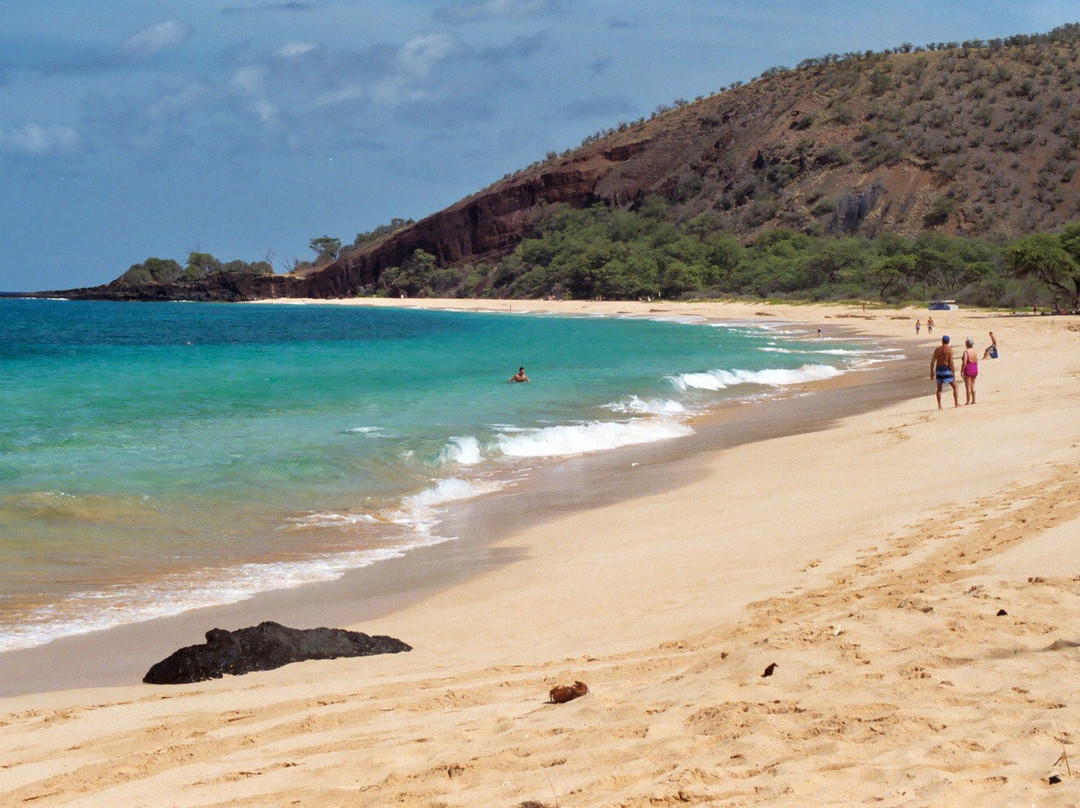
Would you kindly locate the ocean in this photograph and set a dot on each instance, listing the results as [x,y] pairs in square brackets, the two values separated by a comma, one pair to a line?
[159,457]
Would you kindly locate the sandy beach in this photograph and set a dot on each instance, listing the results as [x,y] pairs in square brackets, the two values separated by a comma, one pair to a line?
[912,573]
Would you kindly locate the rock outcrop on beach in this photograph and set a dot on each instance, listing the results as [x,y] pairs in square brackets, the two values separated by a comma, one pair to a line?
[979,139]
[264,647]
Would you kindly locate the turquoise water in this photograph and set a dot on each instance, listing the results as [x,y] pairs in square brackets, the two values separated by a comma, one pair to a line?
[158,457]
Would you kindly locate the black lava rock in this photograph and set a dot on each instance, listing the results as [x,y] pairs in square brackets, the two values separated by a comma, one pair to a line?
[262,648]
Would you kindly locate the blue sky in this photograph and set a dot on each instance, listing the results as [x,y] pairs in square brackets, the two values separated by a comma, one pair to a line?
[245,128]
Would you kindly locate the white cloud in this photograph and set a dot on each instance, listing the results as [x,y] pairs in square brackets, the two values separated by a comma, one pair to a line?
[249,79]
[156,38]
[394,90]
[266,111]
[340,95]
[494,10]
[294,49]
[37,140]
[188,99]
[421,53]
[481,10]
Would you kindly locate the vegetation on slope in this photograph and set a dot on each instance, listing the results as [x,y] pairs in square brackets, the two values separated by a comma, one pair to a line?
[617,254]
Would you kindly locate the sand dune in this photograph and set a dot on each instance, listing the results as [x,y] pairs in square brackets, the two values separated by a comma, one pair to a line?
[869,562]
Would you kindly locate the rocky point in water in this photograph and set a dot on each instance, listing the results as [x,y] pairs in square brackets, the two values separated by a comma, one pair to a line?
[261,648]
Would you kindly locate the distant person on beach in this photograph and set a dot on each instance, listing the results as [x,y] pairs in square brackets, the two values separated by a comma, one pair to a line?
[969,369]
[519,376]
[918,326]
[942,370]
[929,325]
[991,349]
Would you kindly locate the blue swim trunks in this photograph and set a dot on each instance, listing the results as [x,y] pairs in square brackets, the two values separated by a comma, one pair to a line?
[944,374]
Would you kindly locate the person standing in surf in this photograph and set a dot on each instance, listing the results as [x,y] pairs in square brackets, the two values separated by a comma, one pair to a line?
[519,376]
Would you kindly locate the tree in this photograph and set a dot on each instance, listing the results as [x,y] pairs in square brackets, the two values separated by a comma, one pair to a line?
[382,230]
[1042,255]
[893,275]
[200,264]
[326,249]
[412,278]
[152,270]
[244,268]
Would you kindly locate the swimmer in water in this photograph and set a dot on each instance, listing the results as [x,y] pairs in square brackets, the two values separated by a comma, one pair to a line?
[519,376]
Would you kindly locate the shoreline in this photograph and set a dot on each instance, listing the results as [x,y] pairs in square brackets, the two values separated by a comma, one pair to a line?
[565,486]
[912,573]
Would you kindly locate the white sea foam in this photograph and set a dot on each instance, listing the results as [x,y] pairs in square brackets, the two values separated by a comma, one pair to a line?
[854,352]
[83,612]
[752,328]
[421,511]
[366,430]
[648,406]
[771,377]
[450,489]
[596,436]
[175,594]
[677,319]
[333,519]
[465,451]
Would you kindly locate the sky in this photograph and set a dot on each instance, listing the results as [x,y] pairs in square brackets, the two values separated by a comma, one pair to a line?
[246,128]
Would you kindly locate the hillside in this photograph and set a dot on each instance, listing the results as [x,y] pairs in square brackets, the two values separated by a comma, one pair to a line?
[974,139]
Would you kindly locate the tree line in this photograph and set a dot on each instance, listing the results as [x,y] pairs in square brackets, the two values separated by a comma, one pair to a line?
[618,254]
[603,252]
[200,264]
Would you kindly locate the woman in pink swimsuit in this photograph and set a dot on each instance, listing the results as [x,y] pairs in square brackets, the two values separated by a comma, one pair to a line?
[969,369]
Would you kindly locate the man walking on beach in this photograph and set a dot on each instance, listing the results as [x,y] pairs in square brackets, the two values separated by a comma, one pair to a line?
[942,370]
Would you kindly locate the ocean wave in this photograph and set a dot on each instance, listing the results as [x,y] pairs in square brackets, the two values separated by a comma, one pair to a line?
[465,451]
[595,436]
[774,349]
[421,511]
[83,612]
[366,430]
[647,406]
[752,328]
[856,352]
[333,519]
[770,377]
[677,319]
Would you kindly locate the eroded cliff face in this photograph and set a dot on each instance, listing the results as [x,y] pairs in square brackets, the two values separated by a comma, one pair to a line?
[485,226]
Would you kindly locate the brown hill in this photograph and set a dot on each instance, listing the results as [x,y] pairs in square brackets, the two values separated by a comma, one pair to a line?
[980,138]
